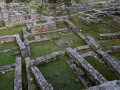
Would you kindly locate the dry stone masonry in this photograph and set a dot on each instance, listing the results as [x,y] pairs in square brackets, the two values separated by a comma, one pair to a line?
[43,27]
[42,83]
[18,74]
[90,71]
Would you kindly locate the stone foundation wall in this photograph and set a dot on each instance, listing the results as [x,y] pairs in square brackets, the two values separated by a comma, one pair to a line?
[43,27]
[87,21]
[42,83]
[112,62]
[46,59]
[18,74]
[7,38]
[92,43]
[93,74]
[109,36]
[111,85]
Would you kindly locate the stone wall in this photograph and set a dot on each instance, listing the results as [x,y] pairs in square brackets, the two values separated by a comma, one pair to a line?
[13,18]
[87,21]
[43,27]
[7,38]
[112,62]
[7,68]
[46,59]
[92,43]
[109,36]
[111,85]
[21,45]
[93,74]
[18,74]
[42,83]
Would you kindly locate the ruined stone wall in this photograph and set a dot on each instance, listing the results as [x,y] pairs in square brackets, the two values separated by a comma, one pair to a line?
[42,83]
[110,85]
[43,27]
[7,38]
[109,36]
[18,74]
[90,71]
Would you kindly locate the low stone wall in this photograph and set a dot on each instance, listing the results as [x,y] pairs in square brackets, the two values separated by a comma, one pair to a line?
[13,18]
[112,62]
[18,74]
[6,68]
[109,36]
[46,59]
[78,71]
[116,48]
[30,83]
[71,26]
[21,45]
[40,40]
[92,43]
[47,32]
[82,48]
[42,83]
[43,27]
[110,85]
[93,74]
[87,21]
[60,43]
[7,38]
[8,49]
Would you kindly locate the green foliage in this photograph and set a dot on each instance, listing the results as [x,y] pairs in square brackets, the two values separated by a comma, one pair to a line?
[8,1]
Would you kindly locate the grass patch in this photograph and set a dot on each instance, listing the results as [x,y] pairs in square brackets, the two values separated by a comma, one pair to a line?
[8,45]
[7,81]
[44,48]
[2,24]
[93,30]
[82,15]
[60,75]
[6,58]
[12,31]
[100,68]
[61,26]
[84,51]
[42,21]
[108,45]
[116,55]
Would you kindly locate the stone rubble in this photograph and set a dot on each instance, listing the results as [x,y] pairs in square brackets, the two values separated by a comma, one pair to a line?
[64,43]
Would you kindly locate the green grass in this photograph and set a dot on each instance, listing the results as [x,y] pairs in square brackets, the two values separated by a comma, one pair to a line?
[60,75]
[8,45]
[43,21]
[84,51]
[6,58]
[91,13]
[61,26]
[92,30]
[82,15]
[12,31]
[116,55]
[100,68]
[108,45]
[2,24]
[44,48]
[7,81]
